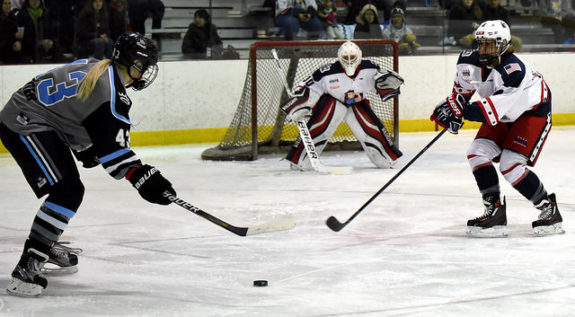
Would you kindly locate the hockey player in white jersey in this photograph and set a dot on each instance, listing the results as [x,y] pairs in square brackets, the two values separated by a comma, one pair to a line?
[81,109]
[514,107]
[334,93]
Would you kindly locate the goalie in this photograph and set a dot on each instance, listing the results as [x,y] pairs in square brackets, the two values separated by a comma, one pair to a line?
[335,93]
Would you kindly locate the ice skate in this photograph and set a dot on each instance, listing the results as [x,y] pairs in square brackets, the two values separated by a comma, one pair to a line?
[550,220]
[27,278]
[63,260]
[493,223]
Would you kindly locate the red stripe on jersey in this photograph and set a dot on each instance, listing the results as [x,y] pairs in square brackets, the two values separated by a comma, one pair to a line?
[480,166]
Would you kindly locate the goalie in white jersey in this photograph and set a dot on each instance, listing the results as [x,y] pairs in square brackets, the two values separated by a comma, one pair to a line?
[515,109]
[334,93]
[80,107]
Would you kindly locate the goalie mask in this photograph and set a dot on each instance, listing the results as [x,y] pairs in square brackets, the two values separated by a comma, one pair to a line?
[349,55]
[133,50]
[492,39]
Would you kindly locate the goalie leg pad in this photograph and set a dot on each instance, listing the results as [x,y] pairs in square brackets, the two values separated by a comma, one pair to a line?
[326,118]
[372,135]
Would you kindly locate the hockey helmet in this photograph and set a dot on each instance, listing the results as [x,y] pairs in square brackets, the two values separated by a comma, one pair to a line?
[349,55]
[137,51]
[495,33]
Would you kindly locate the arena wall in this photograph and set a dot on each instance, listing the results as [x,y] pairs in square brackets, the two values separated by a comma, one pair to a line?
[194,101]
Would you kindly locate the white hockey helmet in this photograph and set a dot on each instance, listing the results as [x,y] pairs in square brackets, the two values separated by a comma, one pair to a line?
[349,55]
[495,30]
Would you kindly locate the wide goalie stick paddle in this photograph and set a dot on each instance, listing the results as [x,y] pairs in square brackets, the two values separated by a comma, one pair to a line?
[272,226]
[336,226]
[306,136]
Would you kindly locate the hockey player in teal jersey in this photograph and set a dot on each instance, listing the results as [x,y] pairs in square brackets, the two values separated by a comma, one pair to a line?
[77,110]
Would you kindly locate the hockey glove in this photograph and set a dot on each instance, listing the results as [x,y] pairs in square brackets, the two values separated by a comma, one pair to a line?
[87,157]
[297,108]
[387,85]
[150,184]
[449,113]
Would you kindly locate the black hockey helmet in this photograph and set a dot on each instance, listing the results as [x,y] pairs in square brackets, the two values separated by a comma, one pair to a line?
[137,51]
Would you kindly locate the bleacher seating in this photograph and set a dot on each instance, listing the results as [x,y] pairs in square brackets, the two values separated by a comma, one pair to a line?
[238,23]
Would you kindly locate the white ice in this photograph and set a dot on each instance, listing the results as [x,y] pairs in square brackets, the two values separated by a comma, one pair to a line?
[406,254]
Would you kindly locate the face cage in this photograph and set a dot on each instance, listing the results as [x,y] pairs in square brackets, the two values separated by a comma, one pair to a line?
[350,63]
[146,79]
[488,59]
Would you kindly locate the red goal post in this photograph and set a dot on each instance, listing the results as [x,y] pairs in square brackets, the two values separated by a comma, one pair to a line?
[259,125]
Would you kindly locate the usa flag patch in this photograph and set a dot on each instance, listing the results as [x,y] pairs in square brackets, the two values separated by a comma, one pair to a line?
[510,68]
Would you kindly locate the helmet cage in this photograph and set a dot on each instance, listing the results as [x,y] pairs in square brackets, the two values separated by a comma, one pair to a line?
[349,56]
[133,50]
[497,31]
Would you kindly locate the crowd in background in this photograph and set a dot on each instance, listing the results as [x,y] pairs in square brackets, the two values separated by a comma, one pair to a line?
[52,31]
[55,31]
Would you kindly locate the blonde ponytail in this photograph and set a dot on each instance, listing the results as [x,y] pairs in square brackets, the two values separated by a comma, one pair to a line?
[88,84]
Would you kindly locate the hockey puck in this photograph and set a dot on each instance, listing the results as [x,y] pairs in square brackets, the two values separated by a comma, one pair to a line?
[260,283]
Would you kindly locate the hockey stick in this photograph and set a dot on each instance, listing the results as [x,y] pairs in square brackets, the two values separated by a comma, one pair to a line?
[272,226]
[336,226]
[306,136]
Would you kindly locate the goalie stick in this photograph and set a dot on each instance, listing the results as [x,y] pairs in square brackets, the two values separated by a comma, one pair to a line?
[306,138]
[272,226]
[336,225]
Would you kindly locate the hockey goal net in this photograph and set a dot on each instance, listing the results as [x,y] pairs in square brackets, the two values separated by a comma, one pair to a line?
[259,126]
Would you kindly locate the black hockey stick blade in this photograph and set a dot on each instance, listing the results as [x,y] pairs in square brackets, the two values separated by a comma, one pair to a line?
[272,226]
[336,226]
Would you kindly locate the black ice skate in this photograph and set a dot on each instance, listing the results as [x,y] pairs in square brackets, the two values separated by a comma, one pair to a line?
[27,280]
[63,260]
[493,223]
[550,220]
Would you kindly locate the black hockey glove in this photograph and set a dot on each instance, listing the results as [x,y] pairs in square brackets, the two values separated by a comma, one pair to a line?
[150,184]
[449,113]
[87,157]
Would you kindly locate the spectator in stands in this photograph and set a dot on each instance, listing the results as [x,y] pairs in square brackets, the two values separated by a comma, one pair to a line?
[494,11]
[367,24]
[138,11]
[38,45]
[92,31]
[464,18]
[202,37]
[62,18]
[560,16]
[354,8]
[118,18]
[398,31]
[10,36]
[291,15]
[16,4]
[326,11]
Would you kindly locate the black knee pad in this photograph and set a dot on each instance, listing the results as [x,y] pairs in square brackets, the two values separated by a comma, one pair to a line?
[68,193]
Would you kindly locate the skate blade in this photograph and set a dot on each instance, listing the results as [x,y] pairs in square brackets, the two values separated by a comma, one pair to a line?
[23,289]
[542,231]
[493,232]
[56,270]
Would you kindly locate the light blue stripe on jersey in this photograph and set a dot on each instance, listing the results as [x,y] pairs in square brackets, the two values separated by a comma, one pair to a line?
[59,209]
[37,160]
[113,96]
[112,156]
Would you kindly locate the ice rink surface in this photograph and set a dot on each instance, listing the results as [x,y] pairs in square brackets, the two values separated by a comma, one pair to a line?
[405,255]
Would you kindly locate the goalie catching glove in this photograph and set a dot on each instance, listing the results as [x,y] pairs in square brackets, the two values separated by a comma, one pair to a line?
[150,184]
[297,108]
[387,85]
[449,113]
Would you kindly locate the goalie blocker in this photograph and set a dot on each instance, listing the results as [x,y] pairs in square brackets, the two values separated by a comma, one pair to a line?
[335,93]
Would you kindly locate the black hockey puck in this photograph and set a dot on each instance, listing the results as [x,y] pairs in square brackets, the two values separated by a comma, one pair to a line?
[260,283]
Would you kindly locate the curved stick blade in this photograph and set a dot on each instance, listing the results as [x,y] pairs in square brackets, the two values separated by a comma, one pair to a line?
[334,224]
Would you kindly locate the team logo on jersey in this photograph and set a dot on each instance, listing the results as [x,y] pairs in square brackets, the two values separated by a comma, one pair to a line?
[41,182]
[466,73]
[125,99]
[467,53]
[22,119]
[333,81]
[521,141]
